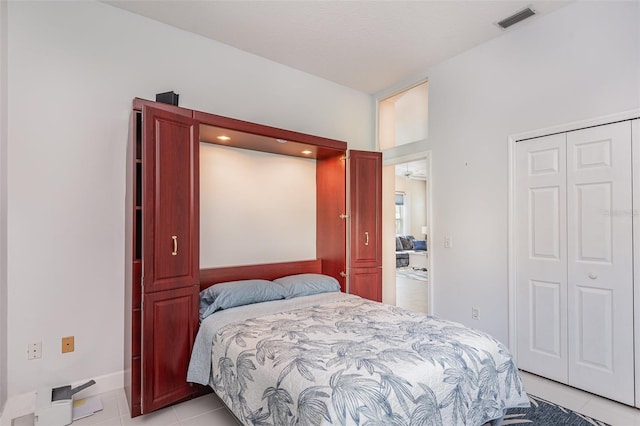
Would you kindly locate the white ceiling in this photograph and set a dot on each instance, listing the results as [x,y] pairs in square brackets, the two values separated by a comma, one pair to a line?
[366,45]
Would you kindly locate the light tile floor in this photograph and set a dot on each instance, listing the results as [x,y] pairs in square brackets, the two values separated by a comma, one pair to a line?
[205,410]
[583,402]
[209,410]
[412,294]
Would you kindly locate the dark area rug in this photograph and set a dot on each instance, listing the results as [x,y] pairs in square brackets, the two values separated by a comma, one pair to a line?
[543,412]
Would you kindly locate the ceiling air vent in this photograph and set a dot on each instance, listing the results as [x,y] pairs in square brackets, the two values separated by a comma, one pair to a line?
[515,18]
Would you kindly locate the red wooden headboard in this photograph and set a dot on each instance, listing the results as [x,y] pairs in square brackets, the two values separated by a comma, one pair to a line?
[267,271]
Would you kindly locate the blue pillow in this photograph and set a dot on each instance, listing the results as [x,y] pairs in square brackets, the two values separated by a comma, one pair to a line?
[237,293]
[420,245]
[307,284]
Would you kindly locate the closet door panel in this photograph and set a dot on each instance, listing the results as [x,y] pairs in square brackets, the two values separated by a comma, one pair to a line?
[600,268]
[541,288]
[544,214]
[595,325]
[593,227]
[545,318]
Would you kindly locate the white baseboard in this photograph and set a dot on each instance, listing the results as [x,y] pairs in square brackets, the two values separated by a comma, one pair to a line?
[20,405]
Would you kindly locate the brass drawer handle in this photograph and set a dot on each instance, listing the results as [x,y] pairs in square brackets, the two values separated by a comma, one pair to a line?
[366,238]
[175,245]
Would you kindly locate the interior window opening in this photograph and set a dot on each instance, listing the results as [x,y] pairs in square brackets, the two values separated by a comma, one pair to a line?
[403,117]
[400,213]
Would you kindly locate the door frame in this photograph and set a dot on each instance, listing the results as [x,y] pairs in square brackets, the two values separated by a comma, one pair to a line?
[427,156]
[511,223]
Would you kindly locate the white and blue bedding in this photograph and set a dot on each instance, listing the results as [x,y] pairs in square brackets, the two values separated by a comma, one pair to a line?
[338,359]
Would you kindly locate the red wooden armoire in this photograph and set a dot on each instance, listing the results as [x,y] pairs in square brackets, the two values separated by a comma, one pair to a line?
[163,272]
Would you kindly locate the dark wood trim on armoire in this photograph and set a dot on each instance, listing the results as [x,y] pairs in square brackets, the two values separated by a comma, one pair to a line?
[163,276]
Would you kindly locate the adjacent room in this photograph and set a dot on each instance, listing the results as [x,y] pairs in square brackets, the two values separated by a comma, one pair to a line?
[199,200]
[411,243]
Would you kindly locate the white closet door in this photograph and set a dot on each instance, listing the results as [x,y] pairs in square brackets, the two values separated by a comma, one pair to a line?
[635,149]
[600,269]
[541,298]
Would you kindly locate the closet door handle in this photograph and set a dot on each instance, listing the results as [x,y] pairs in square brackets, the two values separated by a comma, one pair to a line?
[366,238]
[175,245]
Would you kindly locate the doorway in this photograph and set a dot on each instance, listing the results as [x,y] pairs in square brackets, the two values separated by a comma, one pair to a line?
[406,227]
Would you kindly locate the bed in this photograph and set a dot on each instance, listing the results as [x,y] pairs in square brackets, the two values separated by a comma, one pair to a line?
[304,353]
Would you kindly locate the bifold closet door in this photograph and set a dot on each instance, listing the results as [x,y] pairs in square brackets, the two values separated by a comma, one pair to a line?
[574,289]
[600,254]
[635,150]
[541,289]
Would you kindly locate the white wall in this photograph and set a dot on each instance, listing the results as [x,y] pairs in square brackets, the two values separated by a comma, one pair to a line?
[580,62]
[255,207]
[74,68]
[388,235]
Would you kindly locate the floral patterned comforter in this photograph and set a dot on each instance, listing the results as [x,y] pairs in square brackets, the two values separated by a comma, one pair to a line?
[358,362]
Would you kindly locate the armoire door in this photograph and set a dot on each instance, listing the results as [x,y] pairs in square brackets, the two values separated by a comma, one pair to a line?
[170,255]
[171,195]
[331,224]
[168,336]
[574,296]
[365,234]
[541,289]
[600,261]
[365,196]
[360,282]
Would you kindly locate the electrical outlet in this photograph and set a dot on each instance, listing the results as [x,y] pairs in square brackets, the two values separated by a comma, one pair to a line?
[475,313]
[67,344]
[448,242]
[34,351]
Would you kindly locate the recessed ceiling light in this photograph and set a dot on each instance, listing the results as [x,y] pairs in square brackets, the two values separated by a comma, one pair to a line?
[224,138]
[281,141]
[307,152]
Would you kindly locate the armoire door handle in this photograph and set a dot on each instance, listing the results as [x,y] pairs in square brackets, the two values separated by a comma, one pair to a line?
[175,245]
[366,238]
